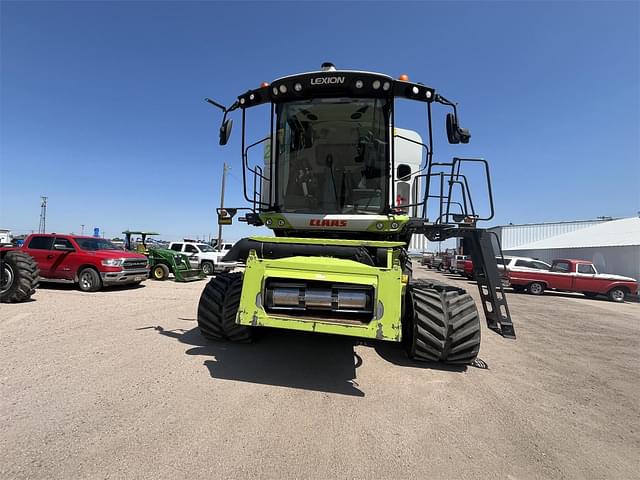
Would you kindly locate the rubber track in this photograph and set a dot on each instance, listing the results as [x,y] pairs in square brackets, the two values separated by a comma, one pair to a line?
[26,276]
[446,326]
[218,307]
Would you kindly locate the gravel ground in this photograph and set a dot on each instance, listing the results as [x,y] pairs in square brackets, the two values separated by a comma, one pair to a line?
[120,384]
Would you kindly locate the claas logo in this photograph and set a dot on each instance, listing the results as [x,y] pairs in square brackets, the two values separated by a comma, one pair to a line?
[317,222]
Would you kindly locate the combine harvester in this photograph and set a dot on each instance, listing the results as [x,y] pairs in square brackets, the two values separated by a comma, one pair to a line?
[344,190]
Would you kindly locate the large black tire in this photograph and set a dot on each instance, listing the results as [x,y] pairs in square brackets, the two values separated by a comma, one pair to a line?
[441,324]
[89,280]
[18,277]
[160,272]
[218,307]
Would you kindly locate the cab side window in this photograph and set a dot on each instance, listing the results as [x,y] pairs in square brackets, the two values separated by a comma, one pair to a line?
[587,269]
[64,242]
[562,267]
[41,243]
[176,247]
[190,249]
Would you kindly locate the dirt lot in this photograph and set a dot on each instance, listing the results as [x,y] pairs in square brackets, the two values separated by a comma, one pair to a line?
[120,384]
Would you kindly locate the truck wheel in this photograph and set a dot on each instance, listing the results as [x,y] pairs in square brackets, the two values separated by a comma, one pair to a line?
[617,294]
[441,324]
[89,280]
[18,277]
[536,288]
[207,268]
[160,272]
[218,307]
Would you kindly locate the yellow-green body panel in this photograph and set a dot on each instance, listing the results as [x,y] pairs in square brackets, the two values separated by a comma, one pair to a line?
[387,285]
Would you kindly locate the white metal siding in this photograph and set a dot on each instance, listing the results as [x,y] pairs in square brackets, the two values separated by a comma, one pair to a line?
[512,236]
[616,260]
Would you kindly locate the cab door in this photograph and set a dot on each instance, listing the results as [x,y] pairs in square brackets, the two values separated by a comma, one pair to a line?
[39,247]
[63,258]
[585,280]
[193,253]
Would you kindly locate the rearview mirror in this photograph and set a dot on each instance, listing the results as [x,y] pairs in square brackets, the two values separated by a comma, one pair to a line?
[225,131]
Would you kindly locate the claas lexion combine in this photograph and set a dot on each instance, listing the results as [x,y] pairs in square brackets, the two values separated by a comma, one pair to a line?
[344,191]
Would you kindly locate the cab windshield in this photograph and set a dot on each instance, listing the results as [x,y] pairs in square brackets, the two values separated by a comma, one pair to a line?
[96,244]
[332,155]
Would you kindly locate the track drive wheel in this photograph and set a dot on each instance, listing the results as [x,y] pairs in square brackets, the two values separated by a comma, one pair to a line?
[441,324]
[218,307]
[18,277]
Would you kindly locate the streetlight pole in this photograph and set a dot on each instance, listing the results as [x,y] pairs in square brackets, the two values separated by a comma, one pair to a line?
[225,169]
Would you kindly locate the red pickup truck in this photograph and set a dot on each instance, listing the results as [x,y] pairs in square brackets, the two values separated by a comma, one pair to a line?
[574,276]
[88,261]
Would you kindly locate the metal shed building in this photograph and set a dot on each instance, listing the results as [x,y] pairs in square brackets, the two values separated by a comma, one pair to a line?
[512,236]
[613,247]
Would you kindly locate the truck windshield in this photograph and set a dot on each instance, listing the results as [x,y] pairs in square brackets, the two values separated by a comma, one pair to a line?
[332,155]
[96,244]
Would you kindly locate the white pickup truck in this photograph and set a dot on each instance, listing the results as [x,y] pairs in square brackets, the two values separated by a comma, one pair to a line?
[203,255]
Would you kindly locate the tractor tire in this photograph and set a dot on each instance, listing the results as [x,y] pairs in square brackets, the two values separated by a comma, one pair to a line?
[218,307]
[160,272]
[89,280]
[442,324]
[207,268]
[18,277]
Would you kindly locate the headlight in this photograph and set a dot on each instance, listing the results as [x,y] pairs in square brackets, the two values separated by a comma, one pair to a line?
[112,262]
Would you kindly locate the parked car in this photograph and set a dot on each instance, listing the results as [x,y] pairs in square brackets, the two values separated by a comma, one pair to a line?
[526,263]
[89,262]
[574,276]
[204,256]
[510,263]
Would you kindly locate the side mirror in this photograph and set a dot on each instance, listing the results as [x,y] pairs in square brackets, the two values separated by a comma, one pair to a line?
[452,129]
[455,134]
[225,131]
[403,172]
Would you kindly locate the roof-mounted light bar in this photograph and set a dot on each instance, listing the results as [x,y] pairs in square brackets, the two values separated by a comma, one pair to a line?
[334,83]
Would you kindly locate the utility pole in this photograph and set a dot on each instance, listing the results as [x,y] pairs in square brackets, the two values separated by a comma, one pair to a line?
[43,215]
[82,231]
[225,169]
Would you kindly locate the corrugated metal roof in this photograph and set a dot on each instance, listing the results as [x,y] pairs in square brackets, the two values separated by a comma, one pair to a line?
[615,233]
[512,236]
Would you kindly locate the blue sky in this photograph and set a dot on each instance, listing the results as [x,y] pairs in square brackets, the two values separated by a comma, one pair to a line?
[101,102]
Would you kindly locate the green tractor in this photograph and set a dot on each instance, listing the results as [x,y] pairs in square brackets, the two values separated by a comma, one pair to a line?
[163,261]
[344,191]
